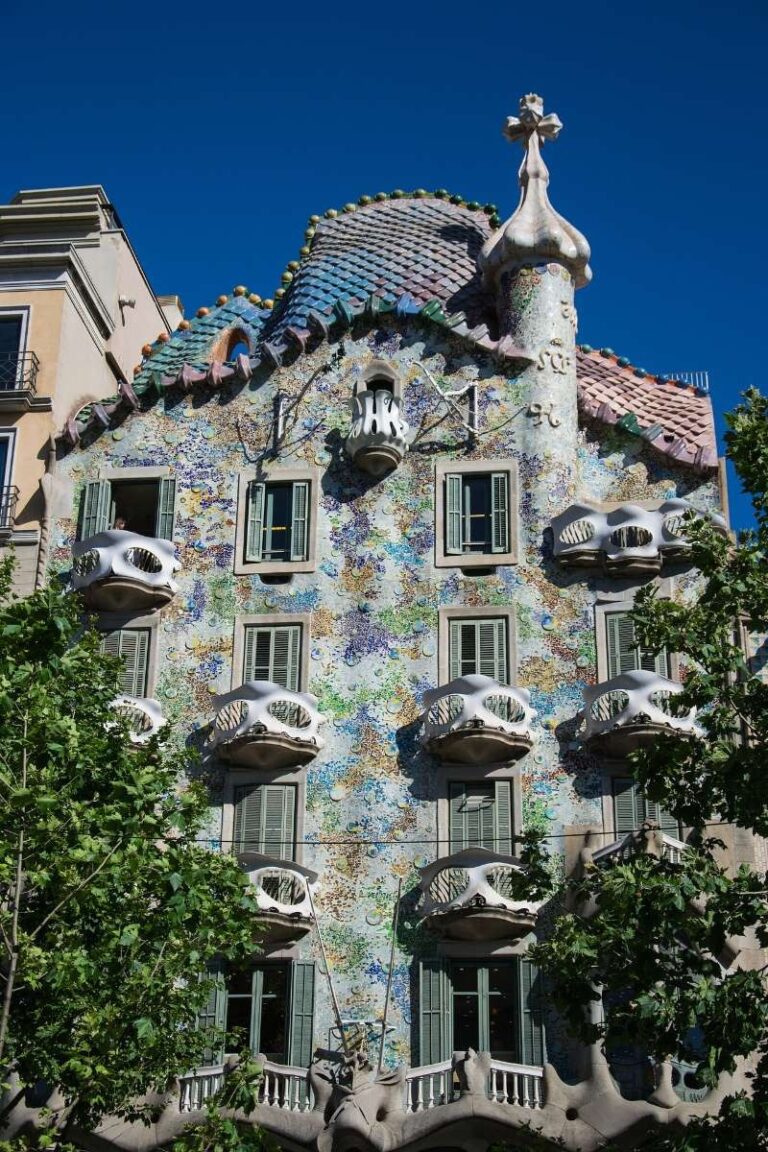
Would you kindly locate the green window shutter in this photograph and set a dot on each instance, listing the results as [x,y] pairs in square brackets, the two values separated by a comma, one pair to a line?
[278,812]
[131,645]
[531,1029]
[213,1015]
[472,814]
[492,650]
[499,512]
[302,1013]
[254,528]
[454,521]
[457,829]
[626,816]
[257,664]
[454,649]
[434,1012]
[299,520]
[247,833]
[664,819]
[624,654]
[284,662]
[502,804]
[96,505]
[166,508]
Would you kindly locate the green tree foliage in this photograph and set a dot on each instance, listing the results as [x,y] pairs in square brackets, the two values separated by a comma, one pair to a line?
[110,903]
[659,930]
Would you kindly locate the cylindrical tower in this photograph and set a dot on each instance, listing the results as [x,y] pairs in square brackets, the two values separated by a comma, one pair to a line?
[533,264]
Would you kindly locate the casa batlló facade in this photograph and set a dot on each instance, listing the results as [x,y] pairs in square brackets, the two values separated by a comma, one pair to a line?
[371,549]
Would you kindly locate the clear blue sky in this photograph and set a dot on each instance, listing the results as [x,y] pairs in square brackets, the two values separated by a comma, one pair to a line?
[217,129]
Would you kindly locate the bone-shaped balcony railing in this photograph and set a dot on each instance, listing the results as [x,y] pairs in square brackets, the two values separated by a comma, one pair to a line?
[474,878]
[477,703]
[125,556]
[280,886]
[379,437]
[144,716]
[260,709]
[634,698]
[627,537]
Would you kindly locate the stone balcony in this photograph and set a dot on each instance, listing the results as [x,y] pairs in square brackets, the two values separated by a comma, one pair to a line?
[263,725]
[144,717]
[631,711]
[282,894]
[379,437]
[475,720]
[629,540]
[121,571]
[470,895]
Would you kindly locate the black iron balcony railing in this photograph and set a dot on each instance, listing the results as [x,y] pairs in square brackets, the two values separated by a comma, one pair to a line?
[8,498]
[18,371]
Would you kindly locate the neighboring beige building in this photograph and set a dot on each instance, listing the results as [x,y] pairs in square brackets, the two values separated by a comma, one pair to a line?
[75,309]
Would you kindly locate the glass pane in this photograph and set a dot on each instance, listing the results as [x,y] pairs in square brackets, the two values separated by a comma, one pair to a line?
[239,983]
[477,513]
[502,1011]
[277,522]
[466,1027]
[275,980]
[238,1021]
[273,1012]
[464,977]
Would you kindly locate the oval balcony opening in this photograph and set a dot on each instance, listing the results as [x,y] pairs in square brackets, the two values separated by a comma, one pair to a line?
[632,536]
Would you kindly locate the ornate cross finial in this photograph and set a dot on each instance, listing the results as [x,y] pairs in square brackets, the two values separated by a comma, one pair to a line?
[535,233]
[532,119]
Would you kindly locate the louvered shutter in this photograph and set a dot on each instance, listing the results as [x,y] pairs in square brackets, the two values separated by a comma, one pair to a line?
[502,810]
[254,528]
[213,1016]
[492,650]
[454,649]
[499,512]
[624,654]
[531,1029]
[95,516]
[456,817]
[278,815]
[131,645]
[257,664]
[664,819]
[284,662]
[625,813]
[434,1012]
[454,521]
[299,520]
[302,1014]
[166,508]
[247,833]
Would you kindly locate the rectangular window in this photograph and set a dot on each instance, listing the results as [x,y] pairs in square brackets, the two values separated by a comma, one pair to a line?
[480,816]
[131,645]
[625,654]
[479,646]
[277,526]
[268,1008]
[477,513]
[11,331]
[489,1006]
[8,493]
[630,809]
[273,652]
[146,507]
[265,820]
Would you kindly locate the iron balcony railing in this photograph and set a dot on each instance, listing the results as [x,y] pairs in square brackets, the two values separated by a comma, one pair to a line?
[8,499]
[18,371]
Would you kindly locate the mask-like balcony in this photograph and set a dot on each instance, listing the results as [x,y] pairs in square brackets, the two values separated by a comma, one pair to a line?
[262,725]
[144,717]
[627,541]
[378,440]
[474,720]
[470,895]
[282,894]
[120,571]
[631,711]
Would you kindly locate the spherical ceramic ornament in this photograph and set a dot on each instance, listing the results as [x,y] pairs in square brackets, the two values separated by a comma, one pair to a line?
[373,918]
[337,793]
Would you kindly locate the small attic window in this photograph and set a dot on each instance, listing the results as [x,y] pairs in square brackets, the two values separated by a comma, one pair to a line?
[231,344]
[240,349]
[379,376]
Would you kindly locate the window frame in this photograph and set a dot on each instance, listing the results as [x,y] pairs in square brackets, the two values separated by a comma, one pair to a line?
[270,620]
[308,475]
[22,311]
[487,612]
[469,774]
[122,475]
[10,435]
[120,621]
[239,778]
[445,559]
[608,608]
